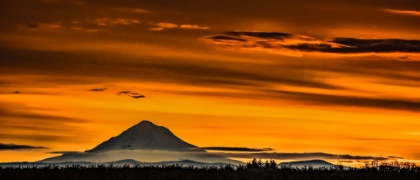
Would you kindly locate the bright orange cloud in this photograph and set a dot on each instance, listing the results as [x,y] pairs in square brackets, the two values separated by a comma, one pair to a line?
[167,25]
[194,26]
[403,12]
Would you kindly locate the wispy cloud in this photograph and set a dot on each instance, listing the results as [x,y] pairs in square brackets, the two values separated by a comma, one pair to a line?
[72,2]
[133,10]
[355,101]
[93,25]
[18,147]
[355,45]
[39,137]
[167,25]
[192,26]
[20,122]
[301,156]
[403,12]
[395,157]
[30,115]
[295,45]
[137,96]
[157,29]
[45,25]
[197,74]
[64,152]
[241,149]
[131,94]
[98,89]
[117,21]
[123,92]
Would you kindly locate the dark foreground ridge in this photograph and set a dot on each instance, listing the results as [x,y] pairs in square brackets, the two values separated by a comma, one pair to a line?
[252,170]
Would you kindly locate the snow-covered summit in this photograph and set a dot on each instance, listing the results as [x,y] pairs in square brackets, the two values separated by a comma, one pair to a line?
[144,136]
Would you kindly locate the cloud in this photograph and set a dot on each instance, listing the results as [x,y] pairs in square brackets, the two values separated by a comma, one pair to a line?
[131,94]
[156,29]
[133,10]
[43,137]
[263,35]
[20,122]
[4,147]
[113,22]
[64,152]
[354,45]
[243,149]
[395,157]
[163,25]
[36,116]
[44,25]
[90,26]
[162,70]
[98,89]
[403,12]
[140,155]
[123,92]
[85,29]
[221,38]
[317,99]
[72,2]
[137,96]
[166,25]
[123,21]
[355,101]
[192,26]
[300,156]
[295,45]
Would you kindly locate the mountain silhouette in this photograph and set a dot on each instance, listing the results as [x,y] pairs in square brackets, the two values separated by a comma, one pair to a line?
[143,142]
[316,163]
[145,136]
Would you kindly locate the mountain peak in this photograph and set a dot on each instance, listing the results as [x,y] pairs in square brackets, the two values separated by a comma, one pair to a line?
[144,136]
[146,122]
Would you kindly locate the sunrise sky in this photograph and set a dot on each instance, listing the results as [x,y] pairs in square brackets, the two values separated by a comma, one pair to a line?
[337,77]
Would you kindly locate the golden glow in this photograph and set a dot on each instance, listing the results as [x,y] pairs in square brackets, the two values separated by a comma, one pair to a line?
[209,92]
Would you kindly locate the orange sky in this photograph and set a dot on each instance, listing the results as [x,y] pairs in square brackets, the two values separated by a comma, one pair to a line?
[333,77]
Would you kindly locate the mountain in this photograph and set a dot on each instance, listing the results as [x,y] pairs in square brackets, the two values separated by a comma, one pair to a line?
[314,163]
[143,142]
[145,136]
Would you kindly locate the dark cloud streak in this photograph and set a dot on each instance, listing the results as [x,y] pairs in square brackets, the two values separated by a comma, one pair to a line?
[98,89]
[64,152]
[15,147]
[223,38]
[370,102]
[309,155]
[264,35]
[276,41]
[43,137]
[354,45]
[165,71]
[35,116]
[317,99]
[242,149]
[137,96]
